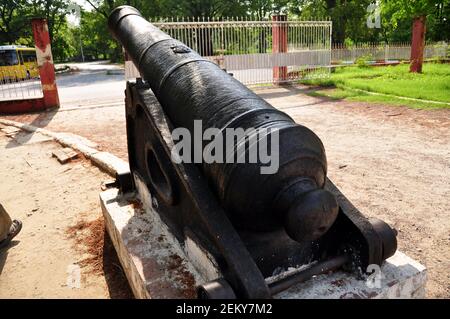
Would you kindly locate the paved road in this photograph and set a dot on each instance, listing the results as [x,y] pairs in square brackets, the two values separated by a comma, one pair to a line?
[392,162]
[94,84]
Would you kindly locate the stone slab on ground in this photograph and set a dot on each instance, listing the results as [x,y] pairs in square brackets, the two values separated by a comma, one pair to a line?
[147,252]
[64,155]
[9,130]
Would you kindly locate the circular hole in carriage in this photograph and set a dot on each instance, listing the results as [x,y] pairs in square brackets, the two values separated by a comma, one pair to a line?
[158,179]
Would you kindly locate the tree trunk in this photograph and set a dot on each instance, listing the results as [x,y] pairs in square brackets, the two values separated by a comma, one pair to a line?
[417,44]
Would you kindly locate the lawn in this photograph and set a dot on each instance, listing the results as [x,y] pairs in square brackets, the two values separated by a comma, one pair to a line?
[433,84]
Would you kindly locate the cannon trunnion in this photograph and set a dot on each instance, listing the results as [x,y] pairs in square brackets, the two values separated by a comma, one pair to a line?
[248,225]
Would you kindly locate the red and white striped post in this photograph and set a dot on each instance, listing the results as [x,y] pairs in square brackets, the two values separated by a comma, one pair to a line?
[279,45]
[45,62]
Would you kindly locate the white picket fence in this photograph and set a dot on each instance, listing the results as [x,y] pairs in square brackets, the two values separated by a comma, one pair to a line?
[245,47]
[384,52]
[250,50]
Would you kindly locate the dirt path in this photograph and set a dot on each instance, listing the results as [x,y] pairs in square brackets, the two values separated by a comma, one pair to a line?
[391,162]
[62,225]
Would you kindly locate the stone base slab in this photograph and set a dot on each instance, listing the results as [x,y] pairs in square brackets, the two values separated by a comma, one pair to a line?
[157,267]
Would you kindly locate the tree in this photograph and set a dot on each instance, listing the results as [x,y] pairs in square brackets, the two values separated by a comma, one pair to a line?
[348,16]
[201,8]
[15,24]
[65,45]
[265,8]
[12,20]
[172,8]
[417,11]
[97,42]
[53,10]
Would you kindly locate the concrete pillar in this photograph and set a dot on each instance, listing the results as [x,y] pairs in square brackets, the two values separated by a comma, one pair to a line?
[417,44]
[45,62]
[279,45]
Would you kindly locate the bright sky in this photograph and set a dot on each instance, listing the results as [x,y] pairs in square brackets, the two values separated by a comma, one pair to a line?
[72,18]
[84,4]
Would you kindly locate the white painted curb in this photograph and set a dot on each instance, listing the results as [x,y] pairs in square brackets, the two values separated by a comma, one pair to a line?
[108,162]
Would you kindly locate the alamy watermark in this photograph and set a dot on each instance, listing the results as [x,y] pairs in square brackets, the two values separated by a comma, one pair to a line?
[73,276]
[232,145]
[374,17]
[375,278]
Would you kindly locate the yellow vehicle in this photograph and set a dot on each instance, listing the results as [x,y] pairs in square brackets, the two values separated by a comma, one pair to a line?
[17,63]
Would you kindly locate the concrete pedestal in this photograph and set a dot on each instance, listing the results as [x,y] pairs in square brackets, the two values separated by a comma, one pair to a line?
[157,267]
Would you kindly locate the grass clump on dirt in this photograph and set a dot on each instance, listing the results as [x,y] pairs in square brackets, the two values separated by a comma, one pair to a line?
[91,239]
[396,81]
[90,236]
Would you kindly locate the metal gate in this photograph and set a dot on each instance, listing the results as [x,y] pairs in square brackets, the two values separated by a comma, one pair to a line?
[258,52]
[14,86]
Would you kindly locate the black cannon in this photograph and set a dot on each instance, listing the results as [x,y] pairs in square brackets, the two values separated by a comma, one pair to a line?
[250,223]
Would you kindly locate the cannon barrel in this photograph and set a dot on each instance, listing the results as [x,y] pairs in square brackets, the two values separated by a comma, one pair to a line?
[190,88]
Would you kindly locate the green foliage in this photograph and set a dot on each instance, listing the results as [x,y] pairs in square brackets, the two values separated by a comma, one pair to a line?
[95,37]
[15,25]
[199,8]
[348,43]
[409,8]
[363,60]
[360,96]
[348,16]
[13,21]
[349,20]
[64,44]
[265,8]
[397,16]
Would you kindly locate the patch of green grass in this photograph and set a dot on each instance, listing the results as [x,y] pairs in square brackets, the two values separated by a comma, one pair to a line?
[433,84]
[350,95]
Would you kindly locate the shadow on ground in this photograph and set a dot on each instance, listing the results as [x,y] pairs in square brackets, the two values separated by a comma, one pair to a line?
[290,90]
[41,121]
[116,280]
[4,254]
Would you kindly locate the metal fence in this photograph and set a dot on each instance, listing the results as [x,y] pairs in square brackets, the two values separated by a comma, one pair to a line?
[384,52]
[14,85]
[252,50]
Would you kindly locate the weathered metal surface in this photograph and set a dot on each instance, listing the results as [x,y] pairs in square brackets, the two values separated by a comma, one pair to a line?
[251,223]
[194,213]
[181,80]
